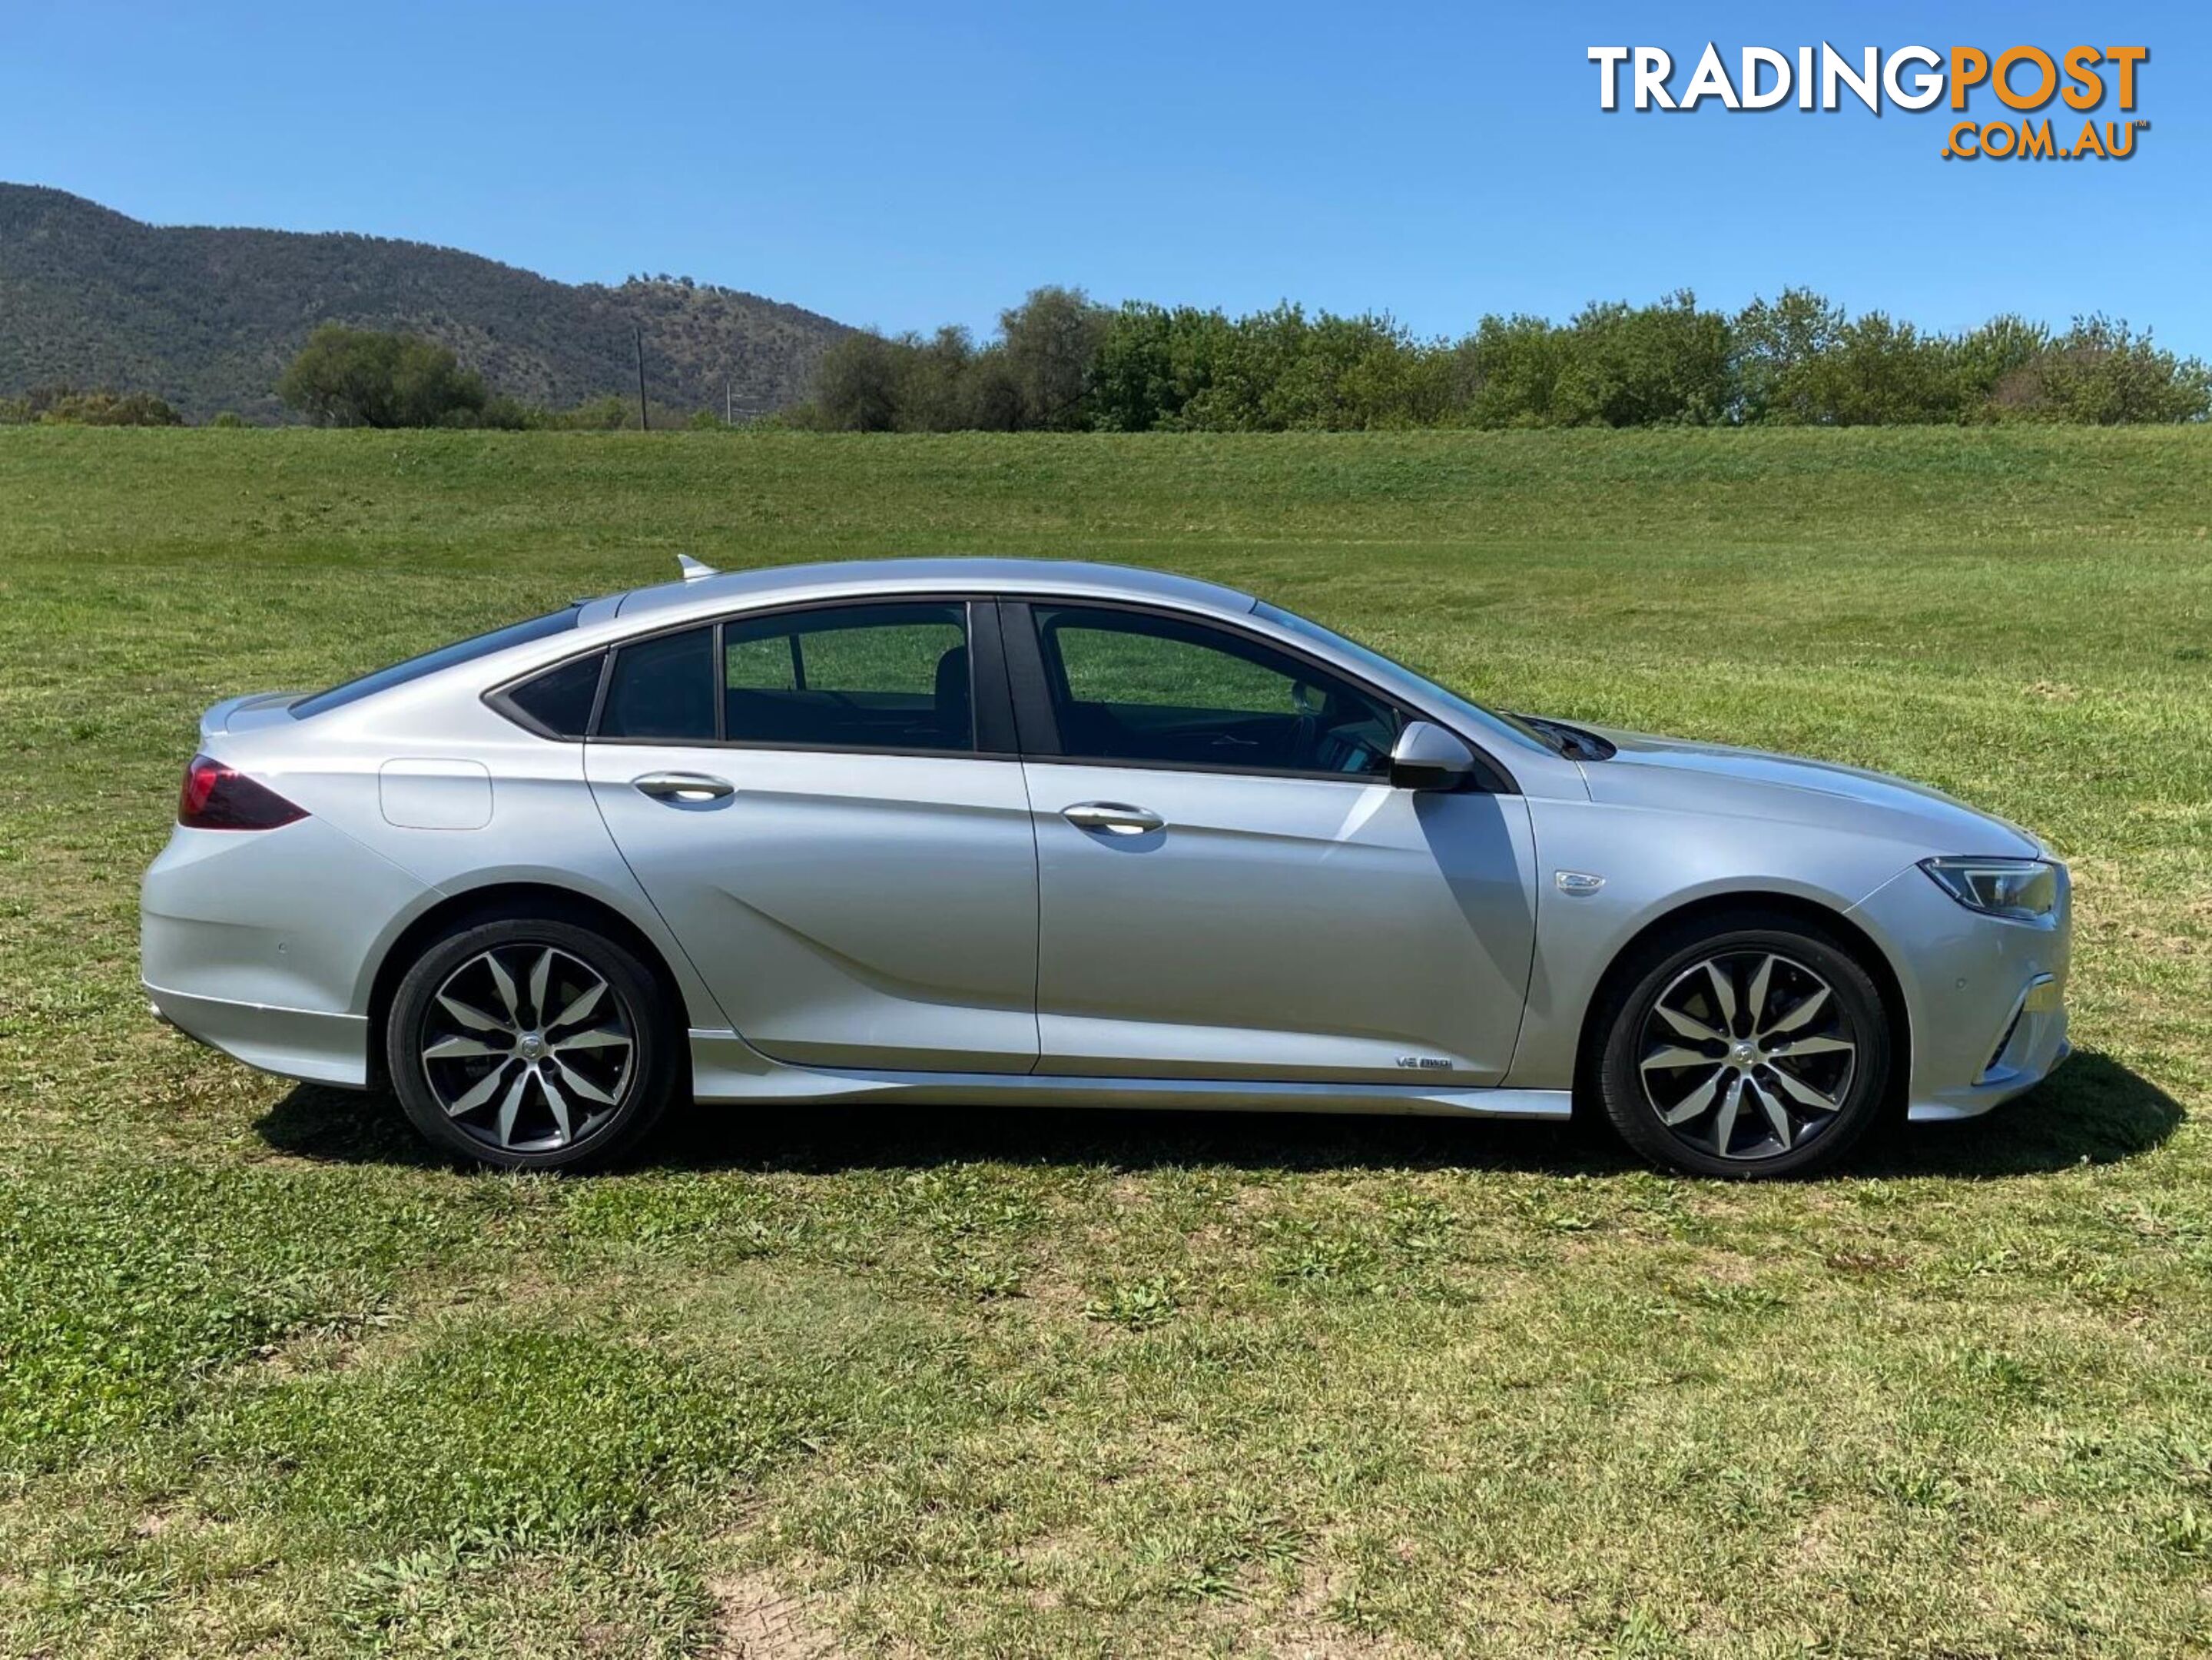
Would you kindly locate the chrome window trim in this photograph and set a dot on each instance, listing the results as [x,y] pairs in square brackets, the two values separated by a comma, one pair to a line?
[981,641]
[1500,782]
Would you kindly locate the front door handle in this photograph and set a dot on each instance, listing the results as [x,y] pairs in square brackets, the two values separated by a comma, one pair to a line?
[1114,817]
[683,787]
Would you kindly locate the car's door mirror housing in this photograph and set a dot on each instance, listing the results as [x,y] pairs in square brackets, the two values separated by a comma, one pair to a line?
[1427,758]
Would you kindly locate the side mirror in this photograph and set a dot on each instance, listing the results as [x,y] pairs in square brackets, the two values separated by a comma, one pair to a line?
[1427,758]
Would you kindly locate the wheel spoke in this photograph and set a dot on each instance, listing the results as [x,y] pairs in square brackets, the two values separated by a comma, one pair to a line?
[593,1038]
[585,1003]
[583,1085]
[1694,1102]
[1696,1030]
[503,983]
[511,1105]
[1804,1094]
[1723,993]
[1724,1125]
[1777,1114]
[1797,1046]
[1798,1016]
[457,1047]
[1761,981]
[1677,1057]
[474,1020]
[541,974]
[479,1093]
[559,1103]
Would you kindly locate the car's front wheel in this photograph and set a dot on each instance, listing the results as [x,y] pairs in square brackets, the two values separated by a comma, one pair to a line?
[531,1044]
[1751,1046]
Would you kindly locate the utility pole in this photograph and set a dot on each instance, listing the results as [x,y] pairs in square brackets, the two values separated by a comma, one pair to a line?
[729,406]
[644,424]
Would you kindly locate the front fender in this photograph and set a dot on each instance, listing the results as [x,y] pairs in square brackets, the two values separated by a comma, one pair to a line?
[1653,862]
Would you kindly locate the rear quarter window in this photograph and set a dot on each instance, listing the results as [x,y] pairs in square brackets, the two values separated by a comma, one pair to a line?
[663,689]
[557,703]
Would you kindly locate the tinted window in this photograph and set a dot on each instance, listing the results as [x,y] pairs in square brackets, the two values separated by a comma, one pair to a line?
[461,650]
[663,689]
[1130,687]
[1491,721]
[890,677]
[560,700]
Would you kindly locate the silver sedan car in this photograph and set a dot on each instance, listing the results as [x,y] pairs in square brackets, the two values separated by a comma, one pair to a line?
[982,830]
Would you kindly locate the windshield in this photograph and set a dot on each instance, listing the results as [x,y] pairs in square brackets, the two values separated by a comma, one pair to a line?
[461,650]
[1511,727]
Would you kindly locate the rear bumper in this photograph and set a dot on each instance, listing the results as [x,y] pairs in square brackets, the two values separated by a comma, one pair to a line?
[305,1043]
[259,944]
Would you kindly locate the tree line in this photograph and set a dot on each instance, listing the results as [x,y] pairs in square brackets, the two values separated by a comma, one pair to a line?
[1062,363]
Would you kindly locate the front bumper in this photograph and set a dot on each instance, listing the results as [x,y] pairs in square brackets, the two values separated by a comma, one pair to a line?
[1985,997]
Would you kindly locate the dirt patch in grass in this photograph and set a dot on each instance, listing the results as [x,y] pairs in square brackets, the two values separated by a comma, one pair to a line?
[756,1619]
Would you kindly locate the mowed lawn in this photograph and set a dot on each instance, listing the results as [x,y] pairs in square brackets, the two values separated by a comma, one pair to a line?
[830,1381]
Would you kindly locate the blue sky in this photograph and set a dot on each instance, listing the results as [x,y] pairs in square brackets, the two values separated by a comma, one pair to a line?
[906,165]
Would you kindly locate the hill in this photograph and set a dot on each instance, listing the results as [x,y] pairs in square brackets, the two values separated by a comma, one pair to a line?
[207,317]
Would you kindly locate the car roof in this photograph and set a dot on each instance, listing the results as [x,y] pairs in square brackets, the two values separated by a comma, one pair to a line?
[671,602]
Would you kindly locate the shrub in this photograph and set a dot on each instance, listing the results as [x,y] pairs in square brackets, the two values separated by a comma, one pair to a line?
[346,377]
[2099,373]
[1152,364]
[61,405]
[1648,365]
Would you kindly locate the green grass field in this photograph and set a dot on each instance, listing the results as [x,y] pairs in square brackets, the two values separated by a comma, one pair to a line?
[273,1382]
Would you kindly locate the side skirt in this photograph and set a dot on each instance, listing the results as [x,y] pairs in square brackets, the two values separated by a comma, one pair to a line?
[725,1068]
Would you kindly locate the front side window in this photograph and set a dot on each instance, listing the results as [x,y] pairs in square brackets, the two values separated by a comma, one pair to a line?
[1511,728]
[887,676]
[1132,687]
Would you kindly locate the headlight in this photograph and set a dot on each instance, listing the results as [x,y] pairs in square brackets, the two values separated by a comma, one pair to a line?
[2025,890]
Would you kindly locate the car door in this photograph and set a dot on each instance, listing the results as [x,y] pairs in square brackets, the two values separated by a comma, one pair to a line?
[1228,885]
[807,800]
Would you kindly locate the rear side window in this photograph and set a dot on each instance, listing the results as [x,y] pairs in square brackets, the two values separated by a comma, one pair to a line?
[559,702]
[888,676]
[663,689]
[461,650]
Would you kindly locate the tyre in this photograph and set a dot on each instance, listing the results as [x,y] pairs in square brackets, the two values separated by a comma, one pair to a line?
[532,1044]
[1755,1045]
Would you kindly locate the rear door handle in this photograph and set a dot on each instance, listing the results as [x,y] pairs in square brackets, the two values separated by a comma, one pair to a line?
[1114,818]
[683,787]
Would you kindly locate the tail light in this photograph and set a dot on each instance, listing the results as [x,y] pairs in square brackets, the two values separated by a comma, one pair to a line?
[217,797]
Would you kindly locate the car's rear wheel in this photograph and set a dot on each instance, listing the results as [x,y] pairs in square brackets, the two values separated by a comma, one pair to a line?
[531,1044]
[1755,1045]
